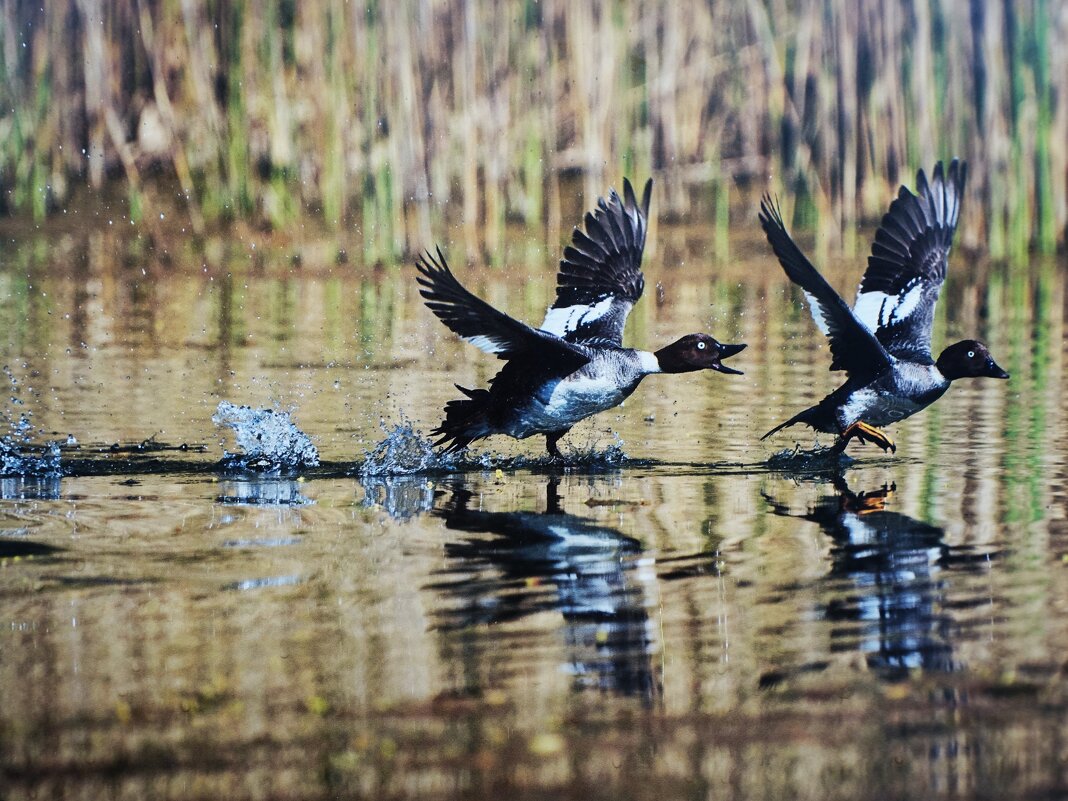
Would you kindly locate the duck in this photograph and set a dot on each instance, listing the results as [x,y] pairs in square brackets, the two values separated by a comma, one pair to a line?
[883,343]
[574,365]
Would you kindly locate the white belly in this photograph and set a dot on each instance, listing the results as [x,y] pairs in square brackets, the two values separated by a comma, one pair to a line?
[557,406]
[875,409]
[562,406]
[888,400]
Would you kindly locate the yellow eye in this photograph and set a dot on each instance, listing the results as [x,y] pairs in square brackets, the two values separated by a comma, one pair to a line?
[700,345]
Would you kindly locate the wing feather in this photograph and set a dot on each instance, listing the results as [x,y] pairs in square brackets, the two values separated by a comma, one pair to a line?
[600,277]
[853,347]
[485,327]
[908,263]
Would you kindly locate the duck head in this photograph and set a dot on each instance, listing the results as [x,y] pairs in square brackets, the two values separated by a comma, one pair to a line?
[968,358]
[696,352]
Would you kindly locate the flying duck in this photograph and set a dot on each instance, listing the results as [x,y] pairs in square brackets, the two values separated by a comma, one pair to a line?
[574,365]
[884,342]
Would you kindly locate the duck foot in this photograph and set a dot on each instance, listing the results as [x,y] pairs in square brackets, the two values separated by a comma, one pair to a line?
[551,439]
[865,433]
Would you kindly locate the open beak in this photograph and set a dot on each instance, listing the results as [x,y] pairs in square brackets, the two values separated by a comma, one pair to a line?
[726,351]
[994,371]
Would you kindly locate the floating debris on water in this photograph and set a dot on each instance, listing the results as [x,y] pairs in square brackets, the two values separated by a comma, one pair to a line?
[270,442]
[149,445]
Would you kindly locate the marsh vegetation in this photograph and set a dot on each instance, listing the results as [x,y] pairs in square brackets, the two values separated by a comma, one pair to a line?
[390,116]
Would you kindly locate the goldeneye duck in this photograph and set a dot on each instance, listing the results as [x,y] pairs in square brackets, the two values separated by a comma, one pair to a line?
[575,364]
[884,342]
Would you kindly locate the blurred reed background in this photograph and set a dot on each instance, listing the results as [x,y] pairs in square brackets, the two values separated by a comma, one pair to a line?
[388,116]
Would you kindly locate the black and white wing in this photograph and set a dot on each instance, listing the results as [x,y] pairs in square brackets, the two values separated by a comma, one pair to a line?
[853,347]
[908,263]
[482,325]
[600,276]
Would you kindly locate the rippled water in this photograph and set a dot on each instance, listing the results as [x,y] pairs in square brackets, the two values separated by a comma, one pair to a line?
[670,616]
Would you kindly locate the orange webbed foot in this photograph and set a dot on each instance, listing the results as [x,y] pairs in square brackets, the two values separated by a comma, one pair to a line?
[867,433]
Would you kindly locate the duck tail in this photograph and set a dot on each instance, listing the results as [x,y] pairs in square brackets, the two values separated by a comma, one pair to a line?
[465,420]
[807,417]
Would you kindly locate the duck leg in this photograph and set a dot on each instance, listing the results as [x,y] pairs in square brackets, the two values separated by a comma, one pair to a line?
[865,433]
[551,438]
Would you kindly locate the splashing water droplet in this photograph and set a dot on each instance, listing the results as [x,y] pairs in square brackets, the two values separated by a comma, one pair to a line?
[270,442]
[19,456]
[404,452]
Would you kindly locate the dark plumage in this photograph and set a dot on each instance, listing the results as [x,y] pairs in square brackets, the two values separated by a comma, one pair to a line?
[575,364]
[884,342]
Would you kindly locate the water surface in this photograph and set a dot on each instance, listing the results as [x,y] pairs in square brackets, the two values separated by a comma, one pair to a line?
[682,621]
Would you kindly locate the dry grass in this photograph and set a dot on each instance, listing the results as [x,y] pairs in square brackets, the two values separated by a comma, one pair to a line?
[380,114]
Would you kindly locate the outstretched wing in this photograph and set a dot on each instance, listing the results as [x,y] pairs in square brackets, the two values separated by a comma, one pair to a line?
[482,325]
[853,347]
[908,263]
[600,276]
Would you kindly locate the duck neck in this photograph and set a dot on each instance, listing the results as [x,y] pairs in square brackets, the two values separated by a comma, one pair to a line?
[946,368]
[650,363]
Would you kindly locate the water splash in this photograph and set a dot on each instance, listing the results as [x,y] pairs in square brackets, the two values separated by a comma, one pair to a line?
[818,459]
[270,442]
[19,456]
[405,451]
[23,459]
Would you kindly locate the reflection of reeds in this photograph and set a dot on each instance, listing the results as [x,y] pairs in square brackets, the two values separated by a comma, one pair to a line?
[378,113]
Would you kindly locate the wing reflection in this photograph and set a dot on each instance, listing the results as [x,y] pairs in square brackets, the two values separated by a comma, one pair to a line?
[553,561]
[888,594]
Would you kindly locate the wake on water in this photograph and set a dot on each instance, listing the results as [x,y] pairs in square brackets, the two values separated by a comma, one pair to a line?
[269,444]
[406,451]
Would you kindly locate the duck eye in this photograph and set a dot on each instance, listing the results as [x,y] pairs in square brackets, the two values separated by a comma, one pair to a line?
[971,354]
[700,345]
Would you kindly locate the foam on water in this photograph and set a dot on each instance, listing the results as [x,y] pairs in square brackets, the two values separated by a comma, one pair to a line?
[269,441]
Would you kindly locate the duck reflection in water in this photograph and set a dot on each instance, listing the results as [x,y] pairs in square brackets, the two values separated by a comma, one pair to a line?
[536,562]
[886,578]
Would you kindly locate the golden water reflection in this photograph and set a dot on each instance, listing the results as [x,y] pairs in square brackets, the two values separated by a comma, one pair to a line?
[690,625]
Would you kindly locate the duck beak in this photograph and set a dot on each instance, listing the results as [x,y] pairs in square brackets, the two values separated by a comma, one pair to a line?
[993,370]
[726,351]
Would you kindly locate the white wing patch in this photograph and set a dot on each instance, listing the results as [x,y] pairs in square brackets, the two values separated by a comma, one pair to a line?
[879,310]
[817,314]
[870,307]
[562,322]
[486,344]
